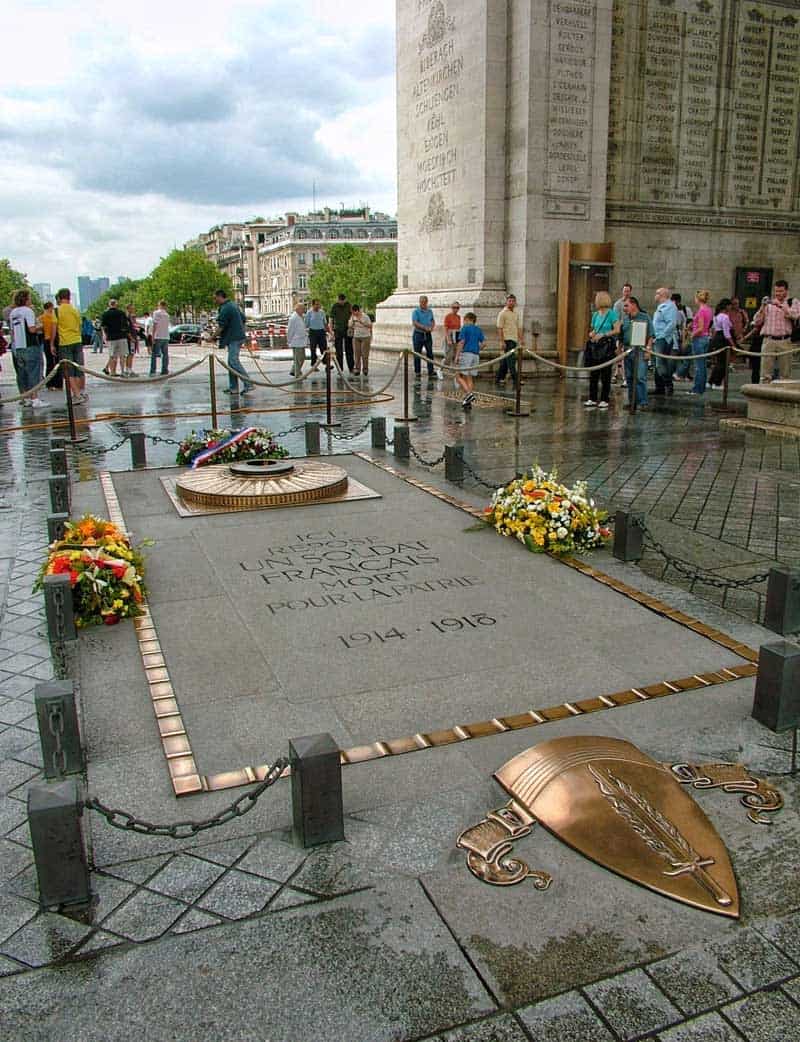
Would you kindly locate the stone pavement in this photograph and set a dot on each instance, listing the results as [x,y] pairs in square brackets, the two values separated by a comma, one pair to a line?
[386,936]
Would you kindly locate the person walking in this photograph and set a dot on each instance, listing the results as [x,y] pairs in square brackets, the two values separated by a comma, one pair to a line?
[682,342]
[722,337]
[97,338]
[133,340]
[159,337]
[701,325]
[637,383]
[27,346]
[604,329]
[468,345]
[510,326]
[619,308]
[231,336]
[70,345]
[337,326]
[665,321]
[452,324]
[115,326]
[316,324]
[49,324]
[360,329]
[775,321]
[422,326]
[297,338]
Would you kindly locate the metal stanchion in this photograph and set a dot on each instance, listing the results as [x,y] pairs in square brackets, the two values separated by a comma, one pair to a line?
[74,437]
[454,462]
[312,438]
[406,417]
[138,451]
[402,442]
[55,526]
[330,422]
[517,410]
[212,386]
[58,461]
[634,378]
[378,432]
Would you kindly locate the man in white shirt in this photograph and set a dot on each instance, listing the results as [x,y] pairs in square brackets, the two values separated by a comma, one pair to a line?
[297,338]
[26,345]
[160,330]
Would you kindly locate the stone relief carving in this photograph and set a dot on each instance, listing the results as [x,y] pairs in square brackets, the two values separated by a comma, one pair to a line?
[439,24]
[438,216]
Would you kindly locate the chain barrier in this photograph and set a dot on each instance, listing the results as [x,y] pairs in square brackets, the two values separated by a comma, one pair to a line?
[476,477]
[120,819]
[350,437]
[55,723]
[357,390]
[422,460]
[689,571]
[292,430]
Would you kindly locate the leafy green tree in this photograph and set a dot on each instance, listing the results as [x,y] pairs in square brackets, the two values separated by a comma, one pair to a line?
[186,279]
[10,281]
[366,278]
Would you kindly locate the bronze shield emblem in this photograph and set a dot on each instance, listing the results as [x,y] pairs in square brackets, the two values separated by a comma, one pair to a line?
[615,805]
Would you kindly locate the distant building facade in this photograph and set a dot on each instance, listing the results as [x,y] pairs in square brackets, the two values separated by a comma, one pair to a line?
[270,261]
[44,291]
[90,289]
[287,259]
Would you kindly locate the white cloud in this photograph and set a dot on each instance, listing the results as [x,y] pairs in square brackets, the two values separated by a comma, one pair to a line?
[146,126]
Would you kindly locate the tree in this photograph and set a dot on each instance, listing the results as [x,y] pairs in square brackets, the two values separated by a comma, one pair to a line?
[12,280]
[366,278]
[186,279]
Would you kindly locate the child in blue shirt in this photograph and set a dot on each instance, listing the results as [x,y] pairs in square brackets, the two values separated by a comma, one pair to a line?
[468,345]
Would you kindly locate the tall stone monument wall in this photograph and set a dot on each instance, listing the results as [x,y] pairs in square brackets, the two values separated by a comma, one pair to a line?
[668,128]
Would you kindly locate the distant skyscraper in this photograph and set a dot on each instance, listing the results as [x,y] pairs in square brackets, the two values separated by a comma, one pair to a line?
[44,290]
[90,289]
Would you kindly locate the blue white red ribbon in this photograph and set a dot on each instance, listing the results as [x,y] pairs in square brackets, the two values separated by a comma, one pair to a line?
[212,451]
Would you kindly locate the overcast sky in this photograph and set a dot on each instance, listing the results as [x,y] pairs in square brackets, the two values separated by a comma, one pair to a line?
[126,130]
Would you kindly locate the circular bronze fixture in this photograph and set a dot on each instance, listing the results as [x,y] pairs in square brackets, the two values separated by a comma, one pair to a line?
[261,468]
[216,486]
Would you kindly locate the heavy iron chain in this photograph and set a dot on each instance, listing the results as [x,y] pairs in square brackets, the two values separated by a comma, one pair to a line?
[695,574]
[58,605]
[476,477]
[350,437]
[292,430]
[120,819]
[156,438]
[422,460]
[55,723]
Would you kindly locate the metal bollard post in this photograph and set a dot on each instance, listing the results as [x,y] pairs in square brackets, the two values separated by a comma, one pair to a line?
[312,438]
[378,432]
[58,461]
[782,612]
[317,810]
[138,450]
[55,526]
[58,609]
[454,462]
[54,820]
[628,535]
[776,704]
[57,716]
[58,443]
[402,441]
[59,493]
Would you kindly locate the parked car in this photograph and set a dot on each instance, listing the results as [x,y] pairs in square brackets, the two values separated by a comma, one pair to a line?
[185,333]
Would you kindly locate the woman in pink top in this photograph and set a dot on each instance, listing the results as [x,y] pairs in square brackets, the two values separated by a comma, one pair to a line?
[701,324]
[723,337]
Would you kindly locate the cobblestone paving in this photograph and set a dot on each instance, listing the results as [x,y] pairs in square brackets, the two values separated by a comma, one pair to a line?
[728,504]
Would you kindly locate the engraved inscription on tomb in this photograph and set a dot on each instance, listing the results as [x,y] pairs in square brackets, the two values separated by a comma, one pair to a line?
[570,99]
[762,162]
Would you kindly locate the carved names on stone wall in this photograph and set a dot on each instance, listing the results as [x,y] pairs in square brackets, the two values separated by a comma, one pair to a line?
[435,94]
[671,147]
[569,110]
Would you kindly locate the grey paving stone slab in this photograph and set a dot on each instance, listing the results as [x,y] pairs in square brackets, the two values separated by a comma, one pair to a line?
[15,912]
[565,1018]
[750,959]
[784,933]
[289,898]
[195,919]
[368,970]
[45,939]
[98,941]
[238,895]
[14,687]
[13,859]
[178,570]
[498,1029]
[138,871]
[23,642]
[8,966]
[109,893]
[12,814]
[632,1004]
[693,981]
[272,858]
[226,852]
[12,711]
[13,741]
[767,1016]
[21,662]
[708,1028]
[144,917]
[185,877]
[792,989]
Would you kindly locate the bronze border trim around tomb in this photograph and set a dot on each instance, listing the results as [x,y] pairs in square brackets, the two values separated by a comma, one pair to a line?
[186,779]
[175,744]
